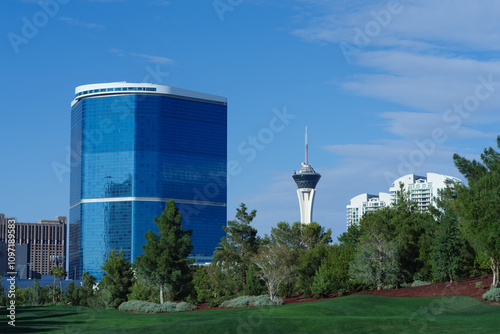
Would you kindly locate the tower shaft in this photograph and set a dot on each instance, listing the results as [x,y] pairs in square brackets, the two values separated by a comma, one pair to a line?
[306,179]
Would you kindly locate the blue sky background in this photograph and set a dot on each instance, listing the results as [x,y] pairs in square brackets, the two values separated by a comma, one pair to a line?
[375,82]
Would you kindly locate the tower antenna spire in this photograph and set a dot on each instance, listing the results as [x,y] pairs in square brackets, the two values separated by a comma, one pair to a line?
[306,146]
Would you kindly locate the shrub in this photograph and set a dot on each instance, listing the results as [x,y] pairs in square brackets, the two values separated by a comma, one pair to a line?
[405,285]
[130,305]
[146,307]
[342,292]
[102,299]
[217,301]
[140,291]
[183,306]
[167,307]
[246,301]
[389,286]
[419,283]
[480,285]
[36,295]
[493,295]
[322,282]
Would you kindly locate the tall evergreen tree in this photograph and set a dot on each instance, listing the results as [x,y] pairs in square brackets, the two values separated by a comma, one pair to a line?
[414,230]
[117,277]
[376,260]
[479,205]
[240,243]
[164,263]
[447,256]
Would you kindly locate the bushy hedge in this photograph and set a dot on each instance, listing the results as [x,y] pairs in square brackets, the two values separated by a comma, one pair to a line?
[245,301]
[493,295]
[146,307]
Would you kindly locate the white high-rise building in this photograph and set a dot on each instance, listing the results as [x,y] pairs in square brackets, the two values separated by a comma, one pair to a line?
[421,189]
[363,203]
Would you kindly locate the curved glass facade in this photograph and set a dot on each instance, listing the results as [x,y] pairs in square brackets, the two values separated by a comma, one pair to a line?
[132,153]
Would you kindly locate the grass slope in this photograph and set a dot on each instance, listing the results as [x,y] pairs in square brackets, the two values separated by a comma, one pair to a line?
[356,314]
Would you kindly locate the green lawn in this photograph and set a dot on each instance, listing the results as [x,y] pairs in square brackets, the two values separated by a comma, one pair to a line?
[351,314]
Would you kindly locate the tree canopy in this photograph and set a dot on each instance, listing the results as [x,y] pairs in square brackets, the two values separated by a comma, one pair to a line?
[478,204]
[164,263]
[117,277]
[240,243]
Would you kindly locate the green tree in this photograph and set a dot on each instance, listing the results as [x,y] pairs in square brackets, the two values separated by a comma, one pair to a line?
[299,236]
[376,263]
[478,205]
[36,295]
[376,260]
[225,254]
[274,267]
[351,236]
[254,285]
[102,299]
[57,272]
[337,264]
[88,292]
[287,236]
[21,296]
[117,276]
[300,239]
[164,263]
[213,283]
[240,243]
[414,230]
[73,294]
[322,283]
[314,234]
[448,261]
[141,291]
[308,263]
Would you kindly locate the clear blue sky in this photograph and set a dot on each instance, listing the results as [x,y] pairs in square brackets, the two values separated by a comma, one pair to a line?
[386,88]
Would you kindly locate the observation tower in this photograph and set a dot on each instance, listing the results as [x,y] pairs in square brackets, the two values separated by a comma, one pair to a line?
[306,179]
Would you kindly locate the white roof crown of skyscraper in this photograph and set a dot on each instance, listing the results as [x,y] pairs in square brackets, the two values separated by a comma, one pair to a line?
[113,88]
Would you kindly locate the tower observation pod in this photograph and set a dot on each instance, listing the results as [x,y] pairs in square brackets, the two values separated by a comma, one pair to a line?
[306,179]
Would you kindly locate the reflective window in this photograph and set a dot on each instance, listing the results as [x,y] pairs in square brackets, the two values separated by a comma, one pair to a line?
[143,145]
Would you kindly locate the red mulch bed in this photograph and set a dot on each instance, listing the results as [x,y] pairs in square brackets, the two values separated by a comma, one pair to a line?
[466,287]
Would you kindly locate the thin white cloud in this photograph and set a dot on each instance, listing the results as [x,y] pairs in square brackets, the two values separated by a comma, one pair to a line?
[415,58]
[76,22]
[415,125]
[149,58]
[429,23]
[431,83]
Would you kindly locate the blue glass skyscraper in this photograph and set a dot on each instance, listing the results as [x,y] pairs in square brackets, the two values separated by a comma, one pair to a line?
[135,147]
